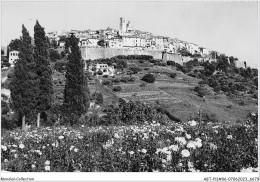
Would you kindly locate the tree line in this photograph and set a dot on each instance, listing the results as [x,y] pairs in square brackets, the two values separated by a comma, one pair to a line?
[32,86]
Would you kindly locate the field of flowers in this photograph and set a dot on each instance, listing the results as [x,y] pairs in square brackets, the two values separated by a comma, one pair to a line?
[186,147]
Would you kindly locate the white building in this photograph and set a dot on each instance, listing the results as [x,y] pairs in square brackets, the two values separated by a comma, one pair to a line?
[158,42]
[13,56]
[133,41]
[107,70]
[90,42]
[115,43]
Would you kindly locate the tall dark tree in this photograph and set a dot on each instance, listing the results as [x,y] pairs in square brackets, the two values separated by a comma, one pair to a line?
[76,93]
[15,45]
[24,83]
[44,71]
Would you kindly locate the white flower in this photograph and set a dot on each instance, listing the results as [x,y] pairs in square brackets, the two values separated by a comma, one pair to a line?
[55,144]
[47,168]
[174,148]
[188,136]
[4,148]
[198,140]
[47,163]
[164,161]
[216,131]
[131,152]
[21,146]
[180,164]
[61,137]
[180,128]
[144,151]
[185,153]
[154,122]
[76,150]
[33,166]
[39,152]
[43,147]
[229,137]
[82,126]
[116,135]
[5,160]
[169,157]
[191,145]
[192,123]
[15,155]
[181,140]
[71,147]
[13,151]
[190,164]
[213,146]
[14,146]
[198,144]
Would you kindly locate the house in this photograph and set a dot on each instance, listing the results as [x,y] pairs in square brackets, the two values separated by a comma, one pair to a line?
[193,48]
[89,42]
[115,43]
[107,70]
[133,41]
[158,42]
[13,56]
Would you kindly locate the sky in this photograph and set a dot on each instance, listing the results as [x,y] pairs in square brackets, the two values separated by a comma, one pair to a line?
[227,27]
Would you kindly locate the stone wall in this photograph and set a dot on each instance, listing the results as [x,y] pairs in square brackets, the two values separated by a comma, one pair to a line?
[97,53]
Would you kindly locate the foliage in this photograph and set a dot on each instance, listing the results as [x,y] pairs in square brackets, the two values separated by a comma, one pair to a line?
[60,65]
[76,93]
[135,70]
[138,57]
[98,97]
[151,147]
[117,88]
[24,83]
[15,45]
[54,55]
[99,72]
[106,82]
[149,78]
[44,72]
[173,75]
[184,52]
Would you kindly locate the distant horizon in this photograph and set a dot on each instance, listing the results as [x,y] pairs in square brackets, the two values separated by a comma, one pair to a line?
[227,27]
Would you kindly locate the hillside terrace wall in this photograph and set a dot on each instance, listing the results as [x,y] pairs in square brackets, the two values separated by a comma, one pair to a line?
[97,53]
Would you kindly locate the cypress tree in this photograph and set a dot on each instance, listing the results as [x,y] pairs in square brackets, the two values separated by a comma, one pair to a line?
[44,71]
[24,84]
[76,93]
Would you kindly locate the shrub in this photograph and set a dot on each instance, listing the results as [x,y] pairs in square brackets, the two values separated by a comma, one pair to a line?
[173,75]
[116,80]
[105,76]
[54,55]
[149,78]
[131,79]
[241,103]
[135,69]
[99,72]
[117,88]
[99,98]
[106,82]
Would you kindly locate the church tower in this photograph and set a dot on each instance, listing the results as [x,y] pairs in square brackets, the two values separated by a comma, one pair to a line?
[122,27]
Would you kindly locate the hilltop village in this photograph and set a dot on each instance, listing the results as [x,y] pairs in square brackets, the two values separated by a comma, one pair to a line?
[128,38]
